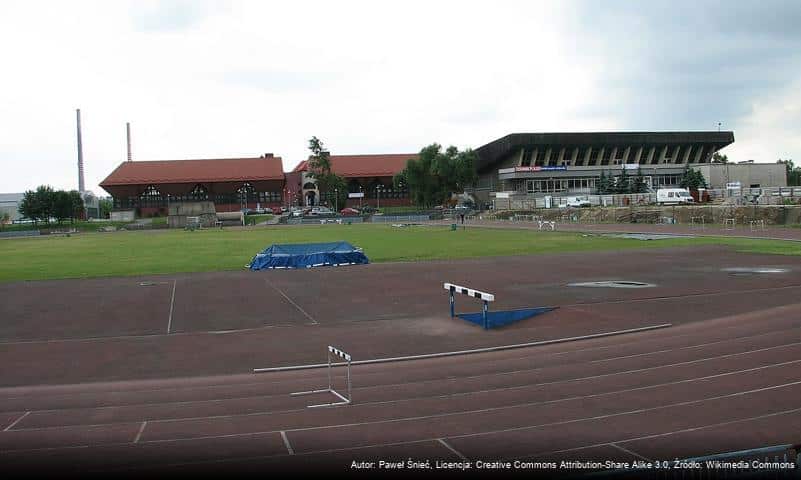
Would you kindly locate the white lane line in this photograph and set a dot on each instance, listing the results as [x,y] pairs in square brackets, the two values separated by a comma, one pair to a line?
[139,433]
[631,412]
[172,302]
[684,295]
[663,434]
[486,410]
[376,373]
[286,443]
[16,421]
[449,447]
[447,395]
[630,452]
[313,321]
[413,442]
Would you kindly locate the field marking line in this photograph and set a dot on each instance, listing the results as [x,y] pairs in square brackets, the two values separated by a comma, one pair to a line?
[630,452]
[16,421]
[413,442]
[447,395]
[139,433]
[467,352]
[449,447]
[314,322]
[286,443]
[172,303]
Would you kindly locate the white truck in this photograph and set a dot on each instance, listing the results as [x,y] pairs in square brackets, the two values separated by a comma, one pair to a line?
[673,196]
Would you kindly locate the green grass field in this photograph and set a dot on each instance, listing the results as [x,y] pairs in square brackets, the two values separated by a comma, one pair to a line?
[169,251]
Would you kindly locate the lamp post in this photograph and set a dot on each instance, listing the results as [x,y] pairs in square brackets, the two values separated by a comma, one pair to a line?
[361,190]
[378,197]
[336,200]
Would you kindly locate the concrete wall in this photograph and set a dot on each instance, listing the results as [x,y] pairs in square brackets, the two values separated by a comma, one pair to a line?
[771,214]
[180,211]
[762,175]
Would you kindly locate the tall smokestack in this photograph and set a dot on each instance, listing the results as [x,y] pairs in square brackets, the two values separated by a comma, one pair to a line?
[80,154]
[128,133]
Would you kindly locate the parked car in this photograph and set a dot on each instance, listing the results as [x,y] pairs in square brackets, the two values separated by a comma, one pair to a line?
[321,211]
[349,212]
[276,210]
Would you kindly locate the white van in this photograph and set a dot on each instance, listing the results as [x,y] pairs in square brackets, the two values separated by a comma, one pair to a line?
[575,202]
[673,196]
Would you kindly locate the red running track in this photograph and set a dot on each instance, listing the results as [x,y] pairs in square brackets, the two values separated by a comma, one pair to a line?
[695,389]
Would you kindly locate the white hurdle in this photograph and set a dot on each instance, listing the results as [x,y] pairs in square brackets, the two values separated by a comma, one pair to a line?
[345,400]
[484,296]
[546,223]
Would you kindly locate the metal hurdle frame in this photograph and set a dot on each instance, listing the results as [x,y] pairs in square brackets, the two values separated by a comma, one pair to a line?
[727,222]
[698,221]
[484,296]
[346,400]
[757,225]
[546,223]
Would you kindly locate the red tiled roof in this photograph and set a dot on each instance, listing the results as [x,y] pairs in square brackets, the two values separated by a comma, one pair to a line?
[196,171]
[381,165]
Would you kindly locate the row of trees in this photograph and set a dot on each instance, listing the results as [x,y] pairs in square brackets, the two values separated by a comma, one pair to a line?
[44,204]
[793,172]
[436,174]
[431,179]
[624,183]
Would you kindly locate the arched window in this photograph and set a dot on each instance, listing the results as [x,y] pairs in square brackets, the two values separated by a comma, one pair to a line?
[309,186]
[199,192]
[150,197]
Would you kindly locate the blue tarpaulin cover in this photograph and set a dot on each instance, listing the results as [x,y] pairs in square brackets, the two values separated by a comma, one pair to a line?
[307,255]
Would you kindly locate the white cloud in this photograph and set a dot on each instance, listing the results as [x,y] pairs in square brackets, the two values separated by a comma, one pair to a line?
[214,79]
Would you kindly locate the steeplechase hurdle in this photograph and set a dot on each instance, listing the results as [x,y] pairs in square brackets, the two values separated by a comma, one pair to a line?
[345,400]
[483,296]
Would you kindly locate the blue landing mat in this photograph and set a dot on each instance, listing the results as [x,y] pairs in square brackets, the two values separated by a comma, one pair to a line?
[504,317]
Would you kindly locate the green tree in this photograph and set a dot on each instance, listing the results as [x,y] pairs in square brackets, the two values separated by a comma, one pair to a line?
[435,175]
[320,170]
[62,205]
[106,206]
[622,183]
[692,179]
[638,184]
[718,158]
[604,184]
[76,202]
[793,172]
[28,207]
[38,205]
[45,197]
[5,217]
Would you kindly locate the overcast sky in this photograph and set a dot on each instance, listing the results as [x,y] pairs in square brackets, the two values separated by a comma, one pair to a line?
[206,79]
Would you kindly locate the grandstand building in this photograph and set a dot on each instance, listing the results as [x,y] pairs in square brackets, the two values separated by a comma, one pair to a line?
[367,175]
[537,164]
[231,183]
